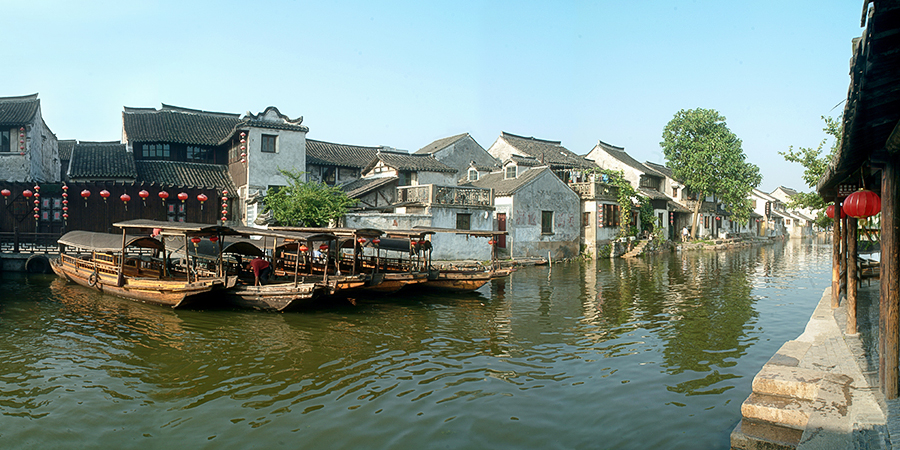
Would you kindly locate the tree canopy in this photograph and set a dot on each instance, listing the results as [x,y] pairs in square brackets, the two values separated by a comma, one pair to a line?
[306,203]
[707,157]
[814,165]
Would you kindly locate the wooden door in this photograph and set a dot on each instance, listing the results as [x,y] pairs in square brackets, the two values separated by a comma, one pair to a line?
[501,226]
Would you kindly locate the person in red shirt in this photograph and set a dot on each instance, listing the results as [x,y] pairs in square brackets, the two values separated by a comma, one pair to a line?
[261,270]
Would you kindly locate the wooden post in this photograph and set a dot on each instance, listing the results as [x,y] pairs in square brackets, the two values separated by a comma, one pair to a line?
[836,259]
[844,256]
[852,274]
[890,279]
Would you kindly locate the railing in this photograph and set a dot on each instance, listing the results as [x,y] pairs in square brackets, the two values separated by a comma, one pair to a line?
[595,190]
[29,242]
[430,194]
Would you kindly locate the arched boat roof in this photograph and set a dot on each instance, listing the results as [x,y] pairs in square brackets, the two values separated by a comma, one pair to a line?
[105,242]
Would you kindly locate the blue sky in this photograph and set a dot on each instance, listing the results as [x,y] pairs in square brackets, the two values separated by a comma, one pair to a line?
[403,74]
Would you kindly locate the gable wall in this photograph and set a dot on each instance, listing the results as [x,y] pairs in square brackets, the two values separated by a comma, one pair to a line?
[263,168]
[461,153]
[545,193]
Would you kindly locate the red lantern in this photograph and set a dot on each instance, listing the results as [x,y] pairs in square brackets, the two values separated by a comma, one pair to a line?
[143,194]
[304,248]
[105,194]
[202,199]
[830,212]
[65,215]
[376,241]
[6,193]
[323,247]
[85,194]
[213,239]
[27,193]
[491,242]
[125,198]
[196,240]
[361,241]
[861,204]
[163,195]
[422,242]
[182,196]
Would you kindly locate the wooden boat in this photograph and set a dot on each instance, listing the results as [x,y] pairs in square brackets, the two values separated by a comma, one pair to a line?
[130,266]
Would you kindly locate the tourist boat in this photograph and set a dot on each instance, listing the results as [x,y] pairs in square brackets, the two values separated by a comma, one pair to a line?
[466,278]
[298,278]
[135,265]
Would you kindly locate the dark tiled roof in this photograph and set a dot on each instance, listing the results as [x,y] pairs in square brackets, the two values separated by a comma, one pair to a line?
[18,110]
[652,194]
[440,144]
[329,154]
[507,187]
[677,207]
[363,186]
[524,161]
[178,125]
[184,174]
[109,160]
[790,192]
[413,162]
[663,170]
[551,153]
[65,149]
[619,153]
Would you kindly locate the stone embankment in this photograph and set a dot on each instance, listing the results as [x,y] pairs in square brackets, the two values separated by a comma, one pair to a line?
[818,391]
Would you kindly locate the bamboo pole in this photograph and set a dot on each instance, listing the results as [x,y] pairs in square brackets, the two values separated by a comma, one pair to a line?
[852,274]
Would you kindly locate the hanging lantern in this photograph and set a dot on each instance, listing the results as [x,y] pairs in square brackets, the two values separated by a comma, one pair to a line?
[422,242]
[163,195]
[143,195]
[65,215]
[65,208]
[491,242]
[85,194]
[213,238]
[830,212]
[182,196]
[6,193]
[376,241]
[861,204]
[125,198]
[303,248]
[105,194]
[196,240]
[323,247]
[27,193]
[362,241]
[202,199]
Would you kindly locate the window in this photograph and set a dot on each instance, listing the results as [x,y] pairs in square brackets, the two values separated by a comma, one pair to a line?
[473,175]
[4,142]
[675,192]
[175,212]
[197,153]
[268,143]
[510,171]
[546,222]
[610,216]
[586,219]
[155,151]
[463,221]
[328,175]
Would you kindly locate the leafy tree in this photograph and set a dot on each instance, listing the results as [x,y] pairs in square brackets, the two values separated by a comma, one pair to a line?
[306,203]
[814,165]
[625,198]
[707,157]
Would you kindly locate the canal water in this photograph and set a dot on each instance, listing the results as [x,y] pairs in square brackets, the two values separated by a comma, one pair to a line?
[656,352]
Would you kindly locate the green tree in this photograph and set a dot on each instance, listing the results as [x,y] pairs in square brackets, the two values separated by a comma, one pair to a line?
[707,157]
[814,165]
[306,203]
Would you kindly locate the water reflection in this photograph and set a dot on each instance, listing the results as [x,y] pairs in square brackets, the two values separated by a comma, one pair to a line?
[588,353]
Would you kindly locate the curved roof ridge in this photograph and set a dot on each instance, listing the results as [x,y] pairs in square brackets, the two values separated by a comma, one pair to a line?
[530,138]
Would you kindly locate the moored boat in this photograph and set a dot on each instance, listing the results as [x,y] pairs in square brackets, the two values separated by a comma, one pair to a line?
[135,266]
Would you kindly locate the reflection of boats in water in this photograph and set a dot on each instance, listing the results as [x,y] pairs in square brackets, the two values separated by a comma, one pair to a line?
[135,266]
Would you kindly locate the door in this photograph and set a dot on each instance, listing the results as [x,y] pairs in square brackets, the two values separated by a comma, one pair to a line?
[501,226]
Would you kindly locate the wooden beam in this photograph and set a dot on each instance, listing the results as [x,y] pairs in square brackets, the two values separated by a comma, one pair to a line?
[845,260]
[889,315]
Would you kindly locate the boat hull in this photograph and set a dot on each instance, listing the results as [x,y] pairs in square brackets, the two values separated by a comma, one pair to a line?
[273,297]
[157,291]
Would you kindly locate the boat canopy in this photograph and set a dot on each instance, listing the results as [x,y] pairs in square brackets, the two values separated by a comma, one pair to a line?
[105,242]
[178,228]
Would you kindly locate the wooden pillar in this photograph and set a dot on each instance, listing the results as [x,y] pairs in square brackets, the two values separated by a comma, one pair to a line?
[890,279]
[852,275]
[844,255]
[836,259]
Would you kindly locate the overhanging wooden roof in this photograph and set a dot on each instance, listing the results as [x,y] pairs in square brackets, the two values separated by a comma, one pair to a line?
[871,132]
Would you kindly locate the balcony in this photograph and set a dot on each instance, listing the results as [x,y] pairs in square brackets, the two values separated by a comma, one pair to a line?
[595,190]
[432,195]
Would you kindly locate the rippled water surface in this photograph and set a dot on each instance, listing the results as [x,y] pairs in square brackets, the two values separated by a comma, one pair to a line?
[657,352]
